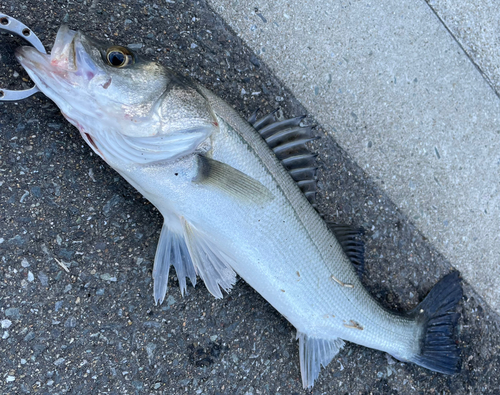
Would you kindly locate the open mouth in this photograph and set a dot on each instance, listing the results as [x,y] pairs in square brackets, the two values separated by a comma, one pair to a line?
[62,57]
[63,53]
[69,65]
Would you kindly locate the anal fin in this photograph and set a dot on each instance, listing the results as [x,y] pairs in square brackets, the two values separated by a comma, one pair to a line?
[314,353]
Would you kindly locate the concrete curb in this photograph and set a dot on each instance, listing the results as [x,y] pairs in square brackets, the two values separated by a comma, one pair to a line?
[397,92]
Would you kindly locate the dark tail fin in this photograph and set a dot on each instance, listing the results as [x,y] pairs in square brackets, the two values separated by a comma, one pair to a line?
[438,349]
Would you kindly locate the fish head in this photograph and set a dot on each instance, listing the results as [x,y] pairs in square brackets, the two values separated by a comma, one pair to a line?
[115,98]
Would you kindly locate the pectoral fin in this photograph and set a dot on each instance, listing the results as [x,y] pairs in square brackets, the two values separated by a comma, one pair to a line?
[231,181]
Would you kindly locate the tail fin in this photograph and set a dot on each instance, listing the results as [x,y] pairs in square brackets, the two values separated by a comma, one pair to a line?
[438,349]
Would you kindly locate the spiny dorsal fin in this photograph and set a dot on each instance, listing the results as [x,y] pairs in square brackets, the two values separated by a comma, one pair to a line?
[278,126]
[288,141]
[354,248]
[253,118]
[264,121]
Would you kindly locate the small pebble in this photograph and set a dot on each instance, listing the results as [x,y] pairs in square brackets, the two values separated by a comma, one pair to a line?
[43,278]
[30,336]
[107,277]
[70,322]
[59,361]
[6,324]
[135,46]
[170,300]
[13,312]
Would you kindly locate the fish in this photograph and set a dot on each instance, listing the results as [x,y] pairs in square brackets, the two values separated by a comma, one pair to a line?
[237,198]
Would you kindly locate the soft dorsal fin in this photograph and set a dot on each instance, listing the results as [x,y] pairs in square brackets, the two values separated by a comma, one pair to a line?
[354,248]
[288,141]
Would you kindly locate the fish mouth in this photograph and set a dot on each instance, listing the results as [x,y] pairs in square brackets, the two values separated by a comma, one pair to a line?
[63,51]
[67,67]
[62,57]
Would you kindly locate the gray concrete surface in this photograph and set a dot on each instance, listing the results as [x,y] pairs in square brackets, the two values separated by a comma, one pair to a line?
[475,26]
[397,92]
[96,330]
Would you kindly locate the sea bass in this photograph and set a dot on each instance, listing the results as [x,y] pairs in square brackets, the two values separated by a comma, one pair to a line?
[235,196]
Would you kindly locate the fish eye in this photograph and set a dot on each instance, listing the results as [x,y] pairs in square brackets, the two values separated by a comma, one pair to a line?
[119,57]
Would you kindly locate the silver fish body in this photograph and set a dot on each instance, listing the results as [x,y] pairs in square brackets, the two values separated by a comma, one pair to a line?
[230,206]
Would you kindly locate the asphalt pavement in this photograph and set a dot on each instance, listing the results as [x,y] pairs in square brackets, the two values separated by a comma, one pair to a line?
[95,328]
